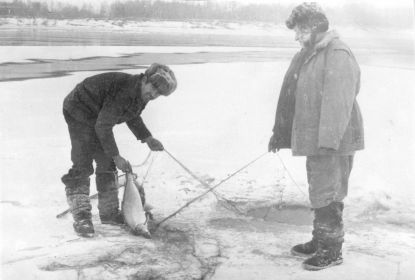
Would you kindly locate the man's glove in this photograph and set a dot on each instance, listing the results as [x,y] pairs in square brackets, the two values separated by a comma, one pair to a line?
[273,144]
[154,144]
[122,164]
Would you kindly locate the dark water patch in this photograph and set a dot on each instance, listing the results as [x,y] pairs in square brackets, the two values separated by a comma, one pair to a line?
[273,257]
[11,63]
[82,58]
[39,76]
[281,213]
[199,62]
[58,68]
[293,214]
[129,66]
[35,60]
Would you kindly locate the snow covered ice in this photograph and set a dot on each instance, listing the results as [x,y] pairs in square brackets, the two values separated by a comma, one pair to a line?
[219,119]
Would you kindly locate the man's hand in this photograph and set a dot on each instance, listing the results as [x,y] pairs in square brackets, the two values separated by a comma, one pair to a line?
[122,164]
[154,144]
[273,144]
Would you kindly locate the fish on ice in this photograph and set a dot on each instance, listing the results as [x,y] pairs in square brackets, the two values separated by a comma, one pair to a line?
[132,208]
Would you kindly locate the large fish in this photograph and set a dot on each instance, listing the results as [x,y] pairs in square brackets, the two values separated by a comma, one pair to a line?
[132,208]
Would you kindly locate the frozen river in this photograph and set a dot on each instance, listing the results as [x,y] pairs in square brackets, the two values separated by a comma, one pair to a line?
[219,119]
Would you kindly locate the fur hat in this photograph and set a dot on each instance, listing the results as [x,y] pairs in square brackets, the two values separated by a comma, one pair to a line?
[308,15]
[162,78]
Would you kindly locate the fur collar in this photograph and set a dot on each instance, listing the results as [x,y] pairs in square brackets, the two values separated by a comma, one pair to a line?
[324,39]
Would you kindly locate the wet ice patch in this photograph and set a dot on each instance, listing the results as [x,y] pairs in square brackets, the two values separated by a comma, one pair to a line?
[281,213]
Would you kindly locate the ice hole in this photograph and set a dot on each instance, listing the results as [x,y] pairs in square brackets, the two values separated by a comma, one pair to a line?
[289,214]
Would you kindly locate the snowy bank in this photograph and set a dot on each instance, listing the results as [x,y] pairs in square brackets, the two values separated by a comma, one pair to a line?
[212,27]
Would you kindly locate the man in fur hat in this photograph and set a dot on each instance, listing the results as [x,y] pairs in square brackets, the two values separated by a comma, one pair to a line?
[318,117]
[91,111]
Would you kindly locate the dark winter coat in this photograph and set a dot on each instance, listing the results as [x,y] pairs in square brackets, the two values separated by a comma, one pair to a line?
[317,111]
[107,99]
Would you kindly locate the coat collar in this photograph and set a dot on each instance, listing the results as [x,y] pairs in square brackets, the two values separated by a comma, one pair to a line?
[322,41]
[136,92]
[136,104]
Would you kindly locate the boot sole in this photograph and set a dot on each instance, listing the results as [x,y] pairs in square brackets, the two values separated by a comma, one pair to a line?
[298,254]
[316,268]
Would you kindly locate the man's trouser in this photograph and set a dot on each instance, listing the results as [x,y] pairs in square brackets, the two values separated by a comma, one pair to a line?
[328,178]
[85,149]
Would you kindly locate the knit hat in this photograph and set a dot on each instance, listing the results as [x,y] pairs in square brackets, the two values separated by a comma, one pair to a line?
[162,78]
[308,15]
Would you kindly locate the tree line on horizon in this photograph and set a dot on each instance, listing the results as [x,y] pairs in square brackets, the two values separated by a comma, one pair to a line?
[349,14]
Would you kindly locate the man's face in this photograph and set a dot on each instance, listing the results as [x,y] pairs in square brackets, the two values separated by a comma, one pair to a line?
[302,35]
[148,92]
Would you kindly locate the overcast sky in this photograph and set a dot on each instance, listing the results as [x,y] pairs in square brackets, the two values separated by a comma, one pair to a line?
[323,3]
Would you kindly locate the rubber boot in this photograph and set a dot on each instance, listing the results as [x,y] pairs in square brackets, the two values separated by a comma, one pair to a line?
[77,195]
[305,249]
[327,255]
[329,234]
[108,203]
[84,228]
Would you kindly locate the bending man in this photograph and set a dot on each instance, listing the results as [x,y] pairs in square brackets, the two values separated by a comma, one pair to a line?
[91,111]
